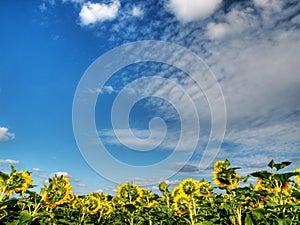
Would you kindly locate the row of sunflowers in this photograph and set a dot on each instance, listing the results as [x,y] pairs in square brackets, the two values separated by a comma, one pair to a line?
[274,199]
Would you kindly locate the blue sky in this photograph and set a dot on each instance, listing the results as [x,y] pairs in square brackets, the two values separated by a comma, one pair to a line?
[252,48]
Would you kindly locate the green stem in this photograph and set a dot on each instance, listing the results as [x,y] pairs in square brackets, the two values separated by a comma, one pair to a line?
[2,194]
[99,219]
[131,221]
[191,215]
[82,217]
[37,207]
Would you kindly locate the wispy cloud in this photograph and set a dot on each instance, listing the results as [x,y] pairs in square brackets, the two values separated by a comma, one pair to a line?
[107,89]
[253,48]
[137,11]
[236,21]
[5,135]
[92,13]
[187,11]
[9,161]
[36,169]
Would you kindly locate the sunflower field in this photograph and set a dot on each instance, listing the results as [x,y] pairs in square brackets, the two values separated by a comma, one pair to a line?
[273,199]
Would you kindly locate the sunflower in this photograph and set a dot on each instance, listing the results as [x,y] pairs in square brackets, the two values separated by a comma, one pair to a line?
[17,181]
[269,186]
[57,192]
[77,204]
[100,195]
[25,182]
[146,196]
[297,177]
[221,165]
[72,198]
[181,203]
[189,186]
[176,191]
[204,188]
[129,193]
[91,204]
[106,208]
[225,176]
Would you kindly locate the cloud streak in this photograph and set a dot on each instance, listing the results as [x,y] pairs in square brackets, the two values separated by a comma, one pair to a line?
[9,161]
[5,135]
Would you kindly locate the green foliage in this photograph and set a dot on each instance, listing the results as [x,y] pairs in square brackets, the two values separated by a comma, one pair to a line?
[274,199]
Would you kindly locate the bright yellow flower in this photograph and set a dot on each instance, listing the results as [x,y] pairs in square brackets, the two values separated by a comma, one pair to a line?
[224,176]
[267,185]
[25,183]
[57,192]
[129,193]
[204,188]
[297,177]
[17,181]
[106,208]
[176,191]
[91,204]
[221,165]
[77,203]
[189,186]
[181,203]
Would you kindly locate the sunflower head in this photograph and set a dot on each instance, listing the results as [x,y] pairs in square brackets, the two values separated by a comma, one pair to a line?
[129,193]
[106,208]
[221,165]
[176,191]
[100,195]
[269,185]
[16,181]
[25,181]
[181,203]
[91,204]
[205,188]
[163,187]
[57,192]
[77,203]
[189,186]
[224,176]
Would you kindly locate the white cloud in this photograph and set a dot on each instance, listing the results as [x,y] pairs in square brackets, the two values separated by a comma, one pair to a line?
[236,22]
[36,170]
[107,89]
[92,13]
[9,161]
[189,10]
[5,135]
[59,173]
[136,11]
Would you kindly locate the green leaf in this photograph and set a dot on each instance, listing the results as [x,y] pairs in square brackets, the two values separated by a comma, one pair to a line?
[278,166]
[130,207]
[25,217]
[271,164]
[263,174]
[248,220]
[258,214]
[296,194]
[284,177]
